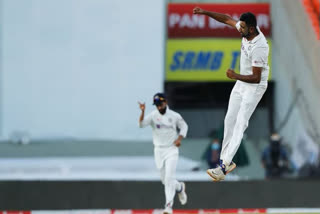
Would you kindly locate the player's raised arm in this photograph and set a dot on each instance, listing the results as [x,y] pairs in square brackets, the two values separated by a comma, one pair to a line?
[223,18]
[142,107]
[143,121]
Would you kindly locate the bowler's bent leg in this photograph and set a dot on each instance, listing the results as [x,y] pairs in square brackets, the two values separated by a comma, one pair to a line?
[251,98]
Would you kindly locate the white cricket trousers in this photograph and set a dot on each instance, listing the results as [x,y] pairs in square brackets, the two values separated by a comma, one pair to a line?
[166,161]
[243,100]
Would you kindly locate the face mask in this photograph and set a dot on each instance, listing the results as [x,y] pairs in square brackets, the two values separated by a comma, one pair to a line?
[215,146]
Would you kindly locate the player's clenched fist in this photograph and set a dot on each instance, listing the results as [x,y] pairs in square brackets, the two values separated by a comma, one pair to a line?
[177,142]
[230,73]
[197,10]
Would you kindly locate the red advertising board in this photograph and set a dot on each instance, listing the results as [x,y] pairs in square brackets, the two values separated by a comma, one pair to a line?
[182,23]
[133,211]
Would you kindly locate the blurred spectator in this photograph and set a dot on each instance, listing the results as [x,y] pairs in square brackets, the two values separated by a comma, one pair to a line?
[274,158]
[213,155]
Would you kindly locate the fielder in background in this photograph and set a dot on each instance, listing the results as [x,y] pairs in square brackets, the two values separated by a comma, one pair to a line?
[248,90]
[165,124]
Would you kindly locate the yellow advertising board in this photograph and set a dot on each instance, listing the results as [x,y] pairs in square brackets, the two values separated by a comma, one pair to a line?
[203,59]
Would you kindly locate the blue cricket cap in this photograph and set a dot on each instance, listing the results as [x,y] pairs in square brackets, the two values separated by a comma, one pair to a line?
[159,98]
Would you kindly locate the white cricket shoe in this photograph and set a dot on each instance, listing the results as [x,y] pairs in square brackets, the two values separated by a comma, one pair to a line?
[216,174]
[231,167]
[167,209]
[182,194]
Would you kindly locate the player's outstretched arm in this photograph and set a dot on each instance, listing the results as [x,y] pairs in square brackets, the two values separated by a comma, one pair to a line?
[223,18]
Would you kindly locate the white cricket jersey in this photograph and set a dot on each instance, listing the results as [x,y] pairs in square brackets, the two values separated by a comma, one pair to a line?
[254,53]
[164,127]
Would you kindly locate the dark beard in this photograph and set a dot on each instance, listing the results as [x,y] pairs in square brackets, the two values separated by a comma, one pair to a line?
[246,36]
[162,111]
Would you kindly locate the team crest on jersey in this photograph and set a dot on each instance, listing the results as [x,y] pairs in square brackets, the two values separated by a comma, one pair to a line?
[158,126]
[249,48]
